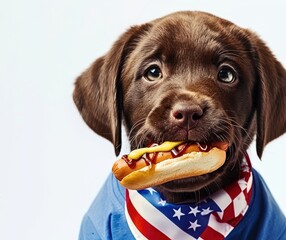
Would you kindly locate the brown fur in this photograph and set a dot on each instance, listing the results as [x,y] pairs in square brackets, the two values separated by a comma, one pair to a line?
[189,103]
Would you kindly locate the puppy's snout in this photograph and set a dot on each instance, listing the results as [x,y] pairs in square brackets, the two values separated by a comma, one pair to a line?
[186,115]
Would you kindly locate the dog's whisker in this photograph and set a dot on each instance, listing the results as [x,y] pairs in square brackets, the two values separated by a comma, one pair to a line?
[141,137]
[237,125]
[134,138]
[136,125]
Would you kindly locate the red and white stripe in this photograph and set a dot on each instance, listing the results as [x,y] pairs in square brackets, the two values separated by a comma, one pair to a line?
[138,209]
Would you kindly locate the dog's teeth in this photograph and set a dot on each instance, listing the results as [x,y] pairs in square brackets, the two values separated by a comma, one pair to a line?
[149,163]
[154,145]
[203,147]
[174,152]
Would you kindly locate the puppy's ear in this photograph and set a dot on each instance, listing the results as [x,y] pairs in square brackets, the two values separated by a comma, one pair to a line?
[98,91]
[271,95]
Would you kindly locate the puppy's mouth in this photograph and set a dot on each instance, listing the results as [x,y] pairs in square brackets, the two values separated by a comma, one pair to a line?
[203,146]
[179,148]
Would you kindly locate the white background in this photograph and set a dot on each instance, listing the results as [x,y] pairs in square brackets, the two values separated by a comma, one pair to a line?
[51,164]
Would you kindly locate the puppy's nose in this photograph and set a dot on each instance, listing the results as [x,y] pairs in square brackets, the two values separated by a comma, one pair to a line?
[186,115]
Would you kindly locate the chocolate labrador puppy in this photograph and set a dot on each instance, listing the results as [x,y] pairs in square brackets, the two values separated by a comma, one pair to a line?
[192,77]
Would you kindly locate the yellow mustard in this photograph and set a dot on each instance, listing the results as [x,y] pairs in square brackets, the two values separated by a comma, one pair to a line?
[164,147]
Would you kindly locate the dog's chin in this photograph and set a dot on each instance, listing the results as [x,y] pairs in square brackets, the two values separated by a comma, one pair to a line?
[196,189]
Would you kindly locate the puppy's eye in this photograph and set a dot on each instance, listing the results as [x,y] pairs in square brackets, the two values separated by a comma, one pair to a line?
[226,75]
[153,73]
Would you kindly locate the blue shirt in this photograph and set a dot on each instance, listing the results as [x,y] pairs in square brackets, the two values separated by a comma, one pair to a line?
[106,218]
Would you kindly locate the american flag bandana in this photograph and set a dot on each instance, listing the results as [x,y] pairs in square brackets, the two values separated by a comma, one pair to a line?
[149,216]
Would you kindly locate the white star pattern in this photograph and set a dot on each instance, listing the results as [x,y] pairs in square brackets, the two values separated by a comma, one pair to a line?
[162,202]
[151,190]
[206,211]
[194,225]
[194,211]
[178,213]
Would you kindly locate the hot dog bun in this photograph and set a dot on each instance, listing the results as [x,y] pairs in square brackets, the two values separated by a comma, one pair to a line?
[130,163]
[188,165]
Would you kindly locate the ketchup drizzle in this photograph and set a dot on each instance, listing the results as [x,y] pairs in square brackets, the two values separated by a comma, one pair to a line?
[130,162]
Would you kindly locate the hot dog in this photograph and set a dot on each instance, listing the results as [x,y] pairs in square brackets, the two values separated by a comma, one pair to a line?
[155,165]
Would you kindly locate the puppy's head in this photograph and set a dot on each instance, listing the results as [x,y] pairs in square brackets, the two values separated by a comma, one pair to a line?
[189,76]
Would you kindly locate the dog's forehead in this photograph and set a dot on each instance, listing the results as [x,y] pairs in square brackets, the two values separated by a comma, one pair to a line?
[192,26]
[186,35]
[188,25]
